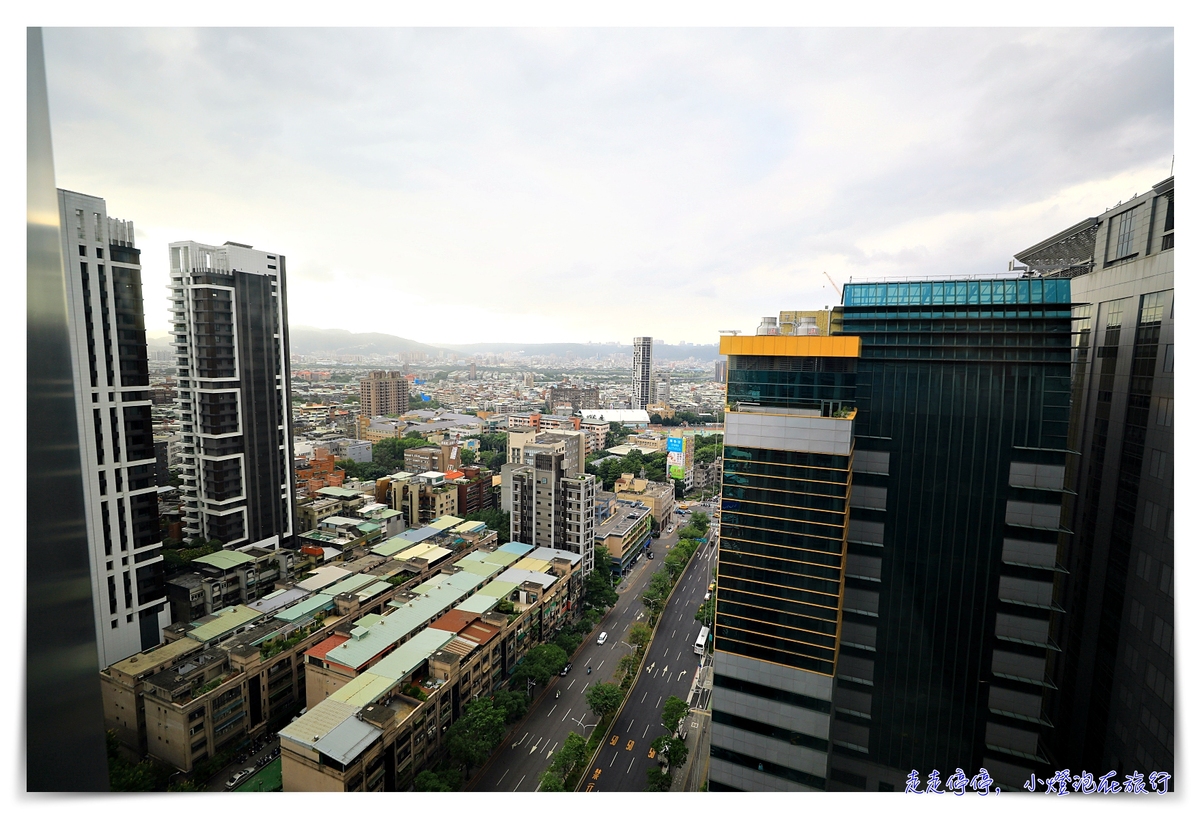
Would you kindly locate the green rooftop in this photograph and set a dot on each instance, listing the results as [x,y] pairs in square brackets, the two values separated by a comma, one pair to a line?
[446,523]
[305,608]
[225,560]
[227,621]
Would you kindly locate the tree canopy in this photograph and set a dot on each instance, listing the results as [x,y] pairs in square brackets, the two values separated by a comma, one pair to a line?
[471,739]
[674,709]
[539,664]
[604,698]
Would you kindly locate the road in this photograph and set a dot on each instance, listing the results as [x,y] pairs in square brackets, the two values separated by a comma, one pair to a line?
[518,767]
[667,670]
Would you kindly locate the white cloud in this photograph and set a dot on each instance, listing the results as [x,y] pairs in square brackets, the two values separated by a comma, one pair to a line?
[537,185]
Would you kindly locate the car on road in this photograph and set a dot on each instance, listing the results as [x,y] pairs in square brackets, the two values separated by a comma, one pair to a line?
[566,669]
[600,640]
[238,778]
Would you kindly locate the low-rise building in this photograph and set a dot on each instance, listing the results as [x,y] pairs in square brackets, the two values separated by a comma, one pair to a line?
[660,497]
[384,689]
[625,534]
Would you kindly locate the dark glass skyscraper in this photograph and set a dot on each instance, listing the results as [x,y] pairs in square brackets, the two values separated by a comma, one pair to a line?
[935,645]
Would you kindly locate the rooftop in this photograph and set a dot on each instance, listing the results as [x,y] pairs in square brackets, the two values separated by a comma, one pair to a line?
[223,622]
[225,560]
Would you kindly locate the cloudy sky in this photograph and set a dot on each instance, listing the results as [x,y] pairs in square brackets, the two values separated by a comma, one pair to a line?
[591,185]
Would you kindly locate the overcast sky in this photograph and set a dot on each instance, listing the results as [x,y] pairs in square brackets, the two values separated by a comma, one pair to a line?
[593,185]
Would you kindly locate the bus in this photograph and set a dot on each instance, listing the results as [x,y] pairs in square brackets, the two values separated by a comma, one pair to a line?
[702,641]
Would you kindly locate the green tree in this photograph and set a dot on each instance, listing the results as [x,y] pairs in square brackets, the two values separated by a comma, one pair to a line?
[494,519]
[539,664]
[674,709]
[429,781]
[514,704]
[551,781]
[705,612]
[627,666]
[467,456]
[657,780]
[604,698]
[671,749]
[639,634]
[472,738]
[597,588]
[699,520]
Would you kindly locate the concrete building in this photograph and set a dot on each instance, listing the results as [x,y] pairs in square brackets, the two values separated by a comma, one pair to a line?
[578,396]
[596,434]
[383,690]
[643,369]
[625,533]
[551,501]
[658,497]
[721,370]
[118,460]
[229,306]
[1114,703]
[662,390]
[383,393]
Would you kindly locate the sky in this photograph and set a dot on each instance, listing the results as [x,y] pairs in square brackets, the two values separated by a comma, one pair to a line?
[553,185]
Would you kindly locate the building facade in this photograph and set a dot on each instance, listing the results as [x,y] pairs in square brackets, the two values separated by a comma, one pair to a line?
[643,371]
[580,397]
[383,393]
[116,443]
[552,502]
[229,305]
[1114,707]
[935,436]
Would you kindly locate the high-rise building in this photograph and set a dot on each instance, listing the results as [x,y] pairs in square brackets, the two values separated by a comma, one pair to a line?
[580,397]
[383,393]
[890,516]
[721,370]
[551,500]
[1114,704]
[229,305]
[662,390]
[116,438]
[643,368]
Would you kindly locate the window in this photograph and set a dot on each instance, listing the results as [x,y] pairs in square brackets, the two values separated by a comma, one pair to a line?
[1164,582]
[1164,411]
[1112,316]
[1151,516]
[1158,464]
[1125,224]
[1151,311]
[1168,242]
[1137,614]
[1168,358]
[96,223]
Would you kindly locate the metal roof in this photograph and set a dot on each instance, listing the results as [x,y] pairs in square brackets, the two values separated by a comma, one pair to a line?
[227,620]
[498,589]
[375,589]
[344,742]
[549,554]
[224,560]
[306,608]
[367,642]
[519,575]
[318,722]
[480,603]
[446,522]
[531,564]
[469,527]
[279,599]
[478,567]
[338,491]
[518,548]
[392,546]
[323,577]
[350,583]
[363,689]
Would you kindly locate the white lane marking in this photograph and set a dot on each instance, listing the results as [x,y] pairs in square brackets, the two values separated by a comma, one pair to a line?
[569,686]
[551,713]
[664,670]
[630,767]
[678,656]
[644,731]
[614,761]
[502,777]
[564,718]
[552,749]
[656,704]
[600,665]
[534,747]
[630,727]
[514,789]
[680,675]
[644,695]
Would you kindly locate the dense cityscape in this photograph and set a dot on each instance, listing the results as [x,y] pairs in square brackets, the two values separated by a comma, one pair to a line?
[917,540]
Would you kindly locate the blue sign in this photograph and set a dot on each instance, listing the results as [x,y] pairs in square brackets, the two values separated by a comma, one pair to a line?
[674,444]
[424,397]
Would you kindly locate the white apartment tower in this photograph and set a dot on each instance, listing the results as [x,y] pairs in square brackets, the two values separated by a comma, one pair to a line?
[116,440]
[551,501]
[229,304]
[643,368]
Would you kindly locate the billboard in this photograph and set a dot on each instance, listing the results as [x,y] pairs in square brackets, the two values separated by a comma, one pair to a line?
[680,451]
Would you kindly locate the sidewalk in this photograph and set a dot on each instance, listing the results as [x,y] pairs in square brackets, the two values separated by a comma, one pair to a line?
[694,771]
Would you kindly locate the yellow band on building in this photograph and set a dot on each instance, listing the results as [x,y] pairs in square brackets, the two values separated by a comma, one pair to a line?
[801,346]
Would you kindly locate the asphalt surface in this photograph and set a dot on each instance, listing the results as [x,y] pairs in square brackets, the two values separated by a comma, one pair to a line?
[518,765]
[668,669]
[255,762]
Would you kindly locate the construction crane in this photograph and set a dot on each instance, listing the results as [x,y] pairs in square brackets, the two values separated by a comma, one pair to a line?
[836,288]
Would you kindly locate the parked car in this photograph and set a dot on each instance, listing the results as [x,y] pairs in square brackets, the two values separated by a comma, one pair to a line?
[602,638]
[566,669]
[238,777]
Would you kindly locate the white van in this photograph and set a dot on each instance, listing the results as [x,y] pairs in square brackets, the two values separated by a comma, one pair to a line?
[602,638]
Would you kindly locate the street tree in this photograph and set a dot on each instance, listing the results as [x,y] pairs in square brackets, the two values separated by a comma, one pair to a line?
[672,749]
[657,780]
[604,698]
[639,634]
[472,738]
[674,709]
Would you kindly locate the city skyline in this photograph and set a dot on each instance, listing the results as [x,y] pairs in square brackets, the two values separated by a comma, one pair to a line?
[779,155]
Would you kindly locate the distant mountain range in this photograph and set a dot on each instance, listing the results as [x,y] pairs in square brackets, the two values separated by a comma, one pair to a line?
[313,341]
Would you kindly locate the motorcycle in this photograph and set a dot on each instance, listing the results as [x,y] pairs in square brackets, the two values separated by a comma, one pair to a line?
[589,670]
[557,694]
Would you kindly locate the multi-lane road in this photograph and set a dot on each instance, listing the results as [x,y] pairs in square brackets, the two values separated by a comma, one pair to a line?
[667,670]
[563,708]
